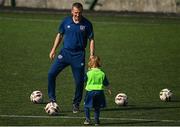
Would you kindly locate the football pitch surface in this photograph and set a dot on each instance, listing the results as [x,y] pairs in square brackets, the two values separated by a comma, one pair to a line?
[140,55]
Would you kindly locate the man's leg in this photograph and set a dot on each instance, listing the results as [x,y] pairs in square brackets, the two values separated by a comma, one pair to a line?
[55,69]
[78,66]
[78,74]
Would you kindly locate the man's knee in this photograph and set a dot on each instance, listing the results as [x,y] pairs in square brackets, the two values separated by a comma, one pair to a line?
[51,75]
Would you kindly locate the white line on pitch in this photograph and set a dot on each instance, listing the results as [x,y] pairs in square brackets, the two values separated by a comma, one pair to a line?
[71,117]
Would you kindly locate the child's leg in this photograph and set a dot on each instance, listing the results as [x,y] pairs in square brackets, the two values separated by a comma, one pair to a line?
[87,113]
[96,115]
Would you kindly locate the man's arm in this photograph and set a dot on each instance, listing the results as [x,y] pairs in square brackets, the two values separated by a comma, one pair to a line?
[55,45]
[92,48]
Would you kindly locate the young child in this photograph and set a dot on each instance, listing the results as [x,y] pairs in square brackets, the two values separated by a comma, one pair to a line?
[95,82]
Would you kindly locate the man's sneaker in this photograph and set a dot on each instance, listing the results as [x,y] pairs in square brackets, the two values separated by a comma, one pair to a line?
[87,122]
[51,101]
[97,122]
[75,108]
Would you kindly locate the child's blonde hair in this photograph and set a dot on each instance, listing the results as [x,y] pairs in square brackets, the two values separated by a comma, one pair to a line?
[94,62]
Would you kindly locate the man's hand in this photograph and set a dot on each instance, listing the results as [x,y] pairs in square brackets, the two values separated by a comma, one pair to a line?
[52,55]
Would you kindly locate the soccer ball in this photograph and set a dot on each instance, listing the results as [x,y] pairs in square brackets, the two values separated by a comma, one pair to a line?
[52,108]
[165,94]
[36,97]
[121,99]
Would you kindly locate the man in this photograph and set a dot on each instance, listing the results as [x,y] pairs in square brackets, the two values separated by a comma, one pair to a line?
[75,31]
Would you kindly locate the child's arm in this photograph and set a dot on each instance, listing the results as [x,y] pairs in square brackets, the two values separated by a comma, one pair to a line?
[109,89]
[106,83]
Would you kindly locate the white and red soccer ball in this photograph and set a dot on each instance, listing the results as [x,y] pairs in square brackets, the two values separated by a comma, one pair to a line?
[165,95]
[36,97]
[121,99]
[52,108]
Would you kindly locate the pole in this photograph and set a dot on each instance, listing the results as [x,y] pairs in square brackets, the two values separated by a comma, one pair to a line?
[13,3]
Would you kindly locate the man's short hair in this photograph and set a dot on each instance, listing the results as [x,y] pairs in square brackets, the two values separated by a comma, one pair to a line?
[77,5]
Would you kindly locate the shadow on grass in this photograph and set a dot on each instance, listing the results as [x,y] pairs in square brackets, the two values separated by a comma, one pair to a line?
[128,107]
[133,107]
[174,101]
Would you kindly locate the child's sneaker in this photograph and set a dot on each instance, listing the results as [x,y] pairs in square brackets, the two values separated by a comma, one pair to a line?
[87,122]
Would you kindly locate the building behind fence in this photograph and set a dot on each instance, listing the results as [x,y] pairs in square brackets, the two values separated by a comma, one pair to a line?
[160,6]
